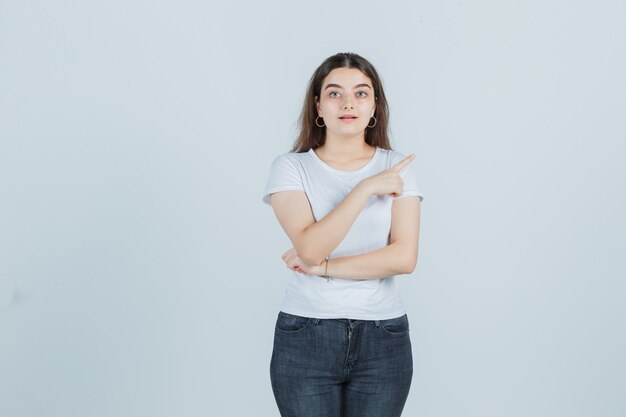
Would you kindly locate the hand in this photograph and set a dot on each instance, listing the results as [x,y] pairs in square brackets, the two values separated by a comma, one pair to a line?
[387,181]
[295,263]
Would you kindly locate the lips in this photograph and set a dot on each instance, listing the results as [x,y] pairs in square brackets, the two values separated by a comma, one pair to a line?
[347,116]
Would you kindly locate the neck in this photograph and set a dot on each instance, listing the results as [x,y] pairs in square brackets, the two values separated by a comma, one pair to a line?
[344,148]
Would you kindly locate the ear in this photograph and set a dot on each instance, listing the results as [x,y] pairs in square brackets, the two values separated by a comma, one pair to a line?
[317,104]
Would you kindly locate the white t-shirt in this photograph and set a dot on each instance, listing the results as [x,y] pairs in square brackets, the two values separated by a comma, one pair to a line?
[325,187]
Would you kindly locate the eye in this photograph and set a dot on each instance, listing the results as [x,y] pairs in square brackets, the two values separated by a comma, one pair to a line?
[361,94]
[332,94]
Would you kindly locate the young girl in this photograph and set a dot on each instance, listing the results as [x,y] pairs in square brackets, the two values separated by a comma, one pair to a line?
[351,207]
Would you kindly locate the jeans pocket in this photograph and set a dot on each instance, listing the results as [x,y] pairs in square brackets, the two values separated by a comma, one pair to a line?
[290,323]
[398,325]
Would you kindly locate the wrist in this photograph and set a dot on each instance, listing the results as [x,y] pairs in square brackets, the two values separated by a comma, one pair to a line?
[322,269]
[363,187]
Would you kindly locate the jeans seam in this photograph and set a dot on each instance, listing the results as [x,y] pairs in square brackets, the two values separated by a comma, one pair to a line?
[295,331]
[382,325]
[292,322]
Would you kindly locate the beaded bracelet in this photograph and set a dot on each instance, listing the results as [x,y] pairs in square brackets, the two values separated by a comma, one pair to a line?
[326,270]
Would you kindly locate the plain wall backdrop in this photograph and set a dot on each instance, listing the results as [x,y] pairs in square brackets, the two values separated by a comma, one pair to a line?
[140,272]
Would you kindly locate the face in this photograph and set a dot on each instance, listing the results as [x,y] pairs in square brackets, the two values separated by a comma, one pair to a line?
[346,101]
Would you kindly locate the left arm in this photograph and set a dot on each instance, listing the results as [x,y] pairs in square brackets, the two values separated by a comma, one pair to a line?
[399,257]
[384,262]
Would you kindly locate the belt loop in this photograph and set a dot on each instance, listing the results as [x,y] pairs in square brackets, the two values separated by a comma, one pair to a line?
[316,321]
[377,323]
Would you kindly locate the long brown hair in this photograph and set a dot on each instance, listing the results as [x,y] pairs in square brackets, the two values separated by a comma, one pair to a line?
[312,136]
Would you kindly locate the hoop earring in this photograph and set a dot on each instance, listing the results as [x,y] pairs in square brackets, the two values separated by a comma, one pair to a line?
[375,121]
[316,124]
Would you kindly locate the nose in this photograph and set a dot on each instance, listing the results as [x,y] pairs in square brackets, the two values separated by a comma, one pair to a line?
[348,104]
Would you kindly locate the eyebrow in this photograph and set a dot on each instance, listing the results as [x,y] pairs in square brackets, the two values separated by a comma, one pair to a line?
[338,86]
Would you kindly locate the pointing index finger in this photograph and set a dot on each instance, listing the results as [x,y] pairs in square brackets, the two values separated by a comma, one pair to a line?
[398,167]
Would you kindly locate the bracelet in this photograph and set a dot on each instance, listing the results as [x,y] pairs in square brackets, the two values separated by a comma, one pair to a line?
[326,270]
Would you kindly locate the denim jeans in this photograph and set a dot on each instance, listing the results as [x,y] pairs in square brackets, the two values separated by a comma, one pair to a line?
[341,367]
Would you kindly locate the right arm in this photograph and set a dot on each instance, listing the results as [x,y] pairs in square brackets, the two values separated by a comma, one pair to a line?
[315,240]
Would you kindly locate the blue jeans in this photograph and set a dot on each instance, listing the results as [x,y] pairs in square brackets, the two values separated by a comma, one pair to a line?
[341,367]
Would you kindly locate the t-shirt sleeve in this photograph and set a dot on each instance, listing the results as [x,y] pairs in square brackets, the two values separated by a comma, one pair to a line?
[284,175]
[409,176]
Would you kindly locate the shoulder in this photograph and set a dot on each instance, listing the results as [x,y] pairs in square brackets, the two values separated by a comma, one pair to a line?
[392,157]
[290,157]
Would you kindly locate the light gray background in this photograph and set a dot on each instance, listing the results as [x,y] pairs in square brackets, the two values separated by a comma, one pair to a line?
[140,273]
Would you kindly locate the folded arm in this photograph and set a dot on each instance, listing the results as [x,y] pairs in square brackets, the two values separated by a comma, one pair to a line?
[381,263]
[399,257]
[315,240]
